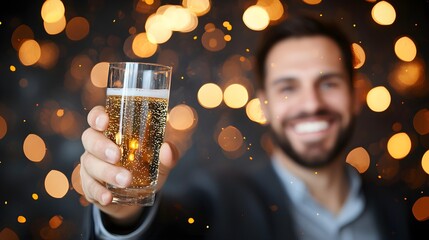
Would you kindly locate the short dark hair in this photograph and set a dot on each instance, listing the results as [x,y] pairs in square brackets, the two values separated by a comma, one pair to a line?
[302,26]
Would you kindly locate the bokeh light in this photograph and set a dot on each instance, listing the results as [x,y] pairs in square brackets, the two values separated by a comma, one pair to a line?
[409,79]
[35,196]
[210,95]
[76,180]
[21,219]
[158,29]
[181,19]
[383,13]
[209,27]
[181,117]
[77,28]
[230,139]
[29,52]
[199,7]
[99,74]
[274,8]
[147,6]
[60,112]
[9,234]
[378,99]
[20,34]
[359,56]
[312,2]
[52,11]
[420,121]
[397,127]
[227,25]
[405,49]
[421,208]
[55,28]
[425,162]
[254,111]
[34,148]
[55,221]
[3,127]
[235,96]
[213,40]
[359,158]
[399,145]
[56,184]
[408,76]
[256,18]
[142,47]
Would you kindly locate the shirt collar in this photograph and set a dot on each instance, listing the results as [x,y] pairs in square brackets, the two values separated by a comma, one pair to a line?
[299,194]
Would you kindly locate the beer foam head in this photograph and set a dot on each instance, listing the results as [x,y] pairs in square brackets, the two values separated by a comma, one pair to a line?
[138,92]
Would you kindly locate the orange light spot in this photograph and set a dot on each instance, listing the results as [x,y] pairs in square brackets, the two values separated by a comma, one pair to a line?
[55,221]
[35,196]
[56,184]
[21,219]
[421,209]
[34,148]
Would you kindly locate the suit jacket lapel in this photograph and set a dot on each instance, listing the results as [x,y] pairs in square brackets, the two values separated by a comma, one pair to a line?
[274,196]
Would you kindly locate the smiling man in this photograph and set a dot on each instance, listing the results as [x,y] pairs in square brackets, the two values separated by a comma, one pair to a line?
[303,190]
[309,99]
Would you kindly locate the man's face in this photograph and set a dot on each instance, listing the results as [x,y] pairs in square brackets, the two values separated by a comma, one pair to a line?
[307,99]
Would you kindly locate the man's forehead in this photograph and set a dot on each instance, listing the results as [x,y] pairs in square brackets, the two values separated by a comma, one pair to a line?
[300,47]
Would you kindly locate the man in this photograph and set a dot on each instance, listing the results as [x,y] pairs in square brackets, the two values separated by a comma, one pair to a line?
[303,190]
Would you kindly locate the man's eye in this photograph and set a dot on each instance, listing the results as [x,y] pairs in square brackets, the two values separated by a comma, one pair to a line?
[329,85]
[287,88]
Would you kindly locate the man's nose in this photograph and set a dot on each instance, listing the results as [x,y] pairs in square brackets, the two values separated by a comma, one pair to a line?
[311,100]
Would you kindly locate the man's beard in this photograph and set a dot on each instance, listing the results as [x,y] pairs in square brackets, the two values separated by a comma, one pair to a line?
[320,161]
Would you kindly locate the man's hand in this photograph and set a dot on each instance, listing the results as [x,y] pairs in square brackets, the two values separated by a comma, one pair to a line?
[98,168]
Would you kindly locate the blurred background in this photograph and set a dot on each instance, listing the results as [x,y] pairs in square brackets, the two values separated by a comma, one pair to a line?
[53,70]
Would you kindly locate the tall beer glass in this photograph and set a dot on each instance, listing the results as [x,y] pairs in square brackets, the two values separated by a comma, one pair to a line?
[137,104]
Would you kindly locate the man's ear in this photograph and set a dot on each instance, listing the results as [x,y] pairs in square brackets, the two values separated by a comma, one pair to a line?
[263,101]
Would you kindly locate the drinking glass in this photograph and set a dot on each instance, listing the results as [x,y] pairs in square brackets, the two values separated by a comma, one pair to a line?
[137,104]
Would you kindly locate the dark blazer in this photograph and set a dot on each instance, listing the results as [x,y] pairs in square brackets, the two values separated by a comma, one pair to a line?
[233,202]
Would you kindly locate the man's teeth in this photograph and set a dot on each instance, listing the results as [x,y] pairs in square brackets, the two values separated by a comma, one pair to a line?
[311,127]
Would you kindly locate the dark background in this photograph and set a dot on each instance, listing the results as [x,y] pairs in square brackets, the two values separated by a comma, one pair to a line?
[25,108]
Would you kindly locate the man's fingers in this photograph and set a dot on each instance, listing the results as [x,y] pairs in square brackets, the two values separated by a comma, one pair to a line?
[105,172]
[98,118]
[100,146]
[93,190]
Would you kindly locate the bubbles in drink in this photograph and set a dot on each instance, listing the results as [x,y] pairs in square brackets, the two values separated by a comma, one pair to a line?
[140,131]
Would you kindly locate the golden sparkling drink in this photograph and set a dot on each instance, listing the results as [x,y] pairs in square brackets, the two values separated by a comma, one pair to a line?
[137,122]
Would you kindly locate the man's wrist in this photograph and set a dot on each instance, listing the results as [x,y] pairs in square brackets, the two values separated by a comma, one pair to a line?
[116,227]
[105,228]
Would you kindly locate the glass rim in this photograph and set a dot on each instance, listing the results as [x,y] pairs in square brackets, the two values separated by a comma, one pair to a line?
[117,63]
